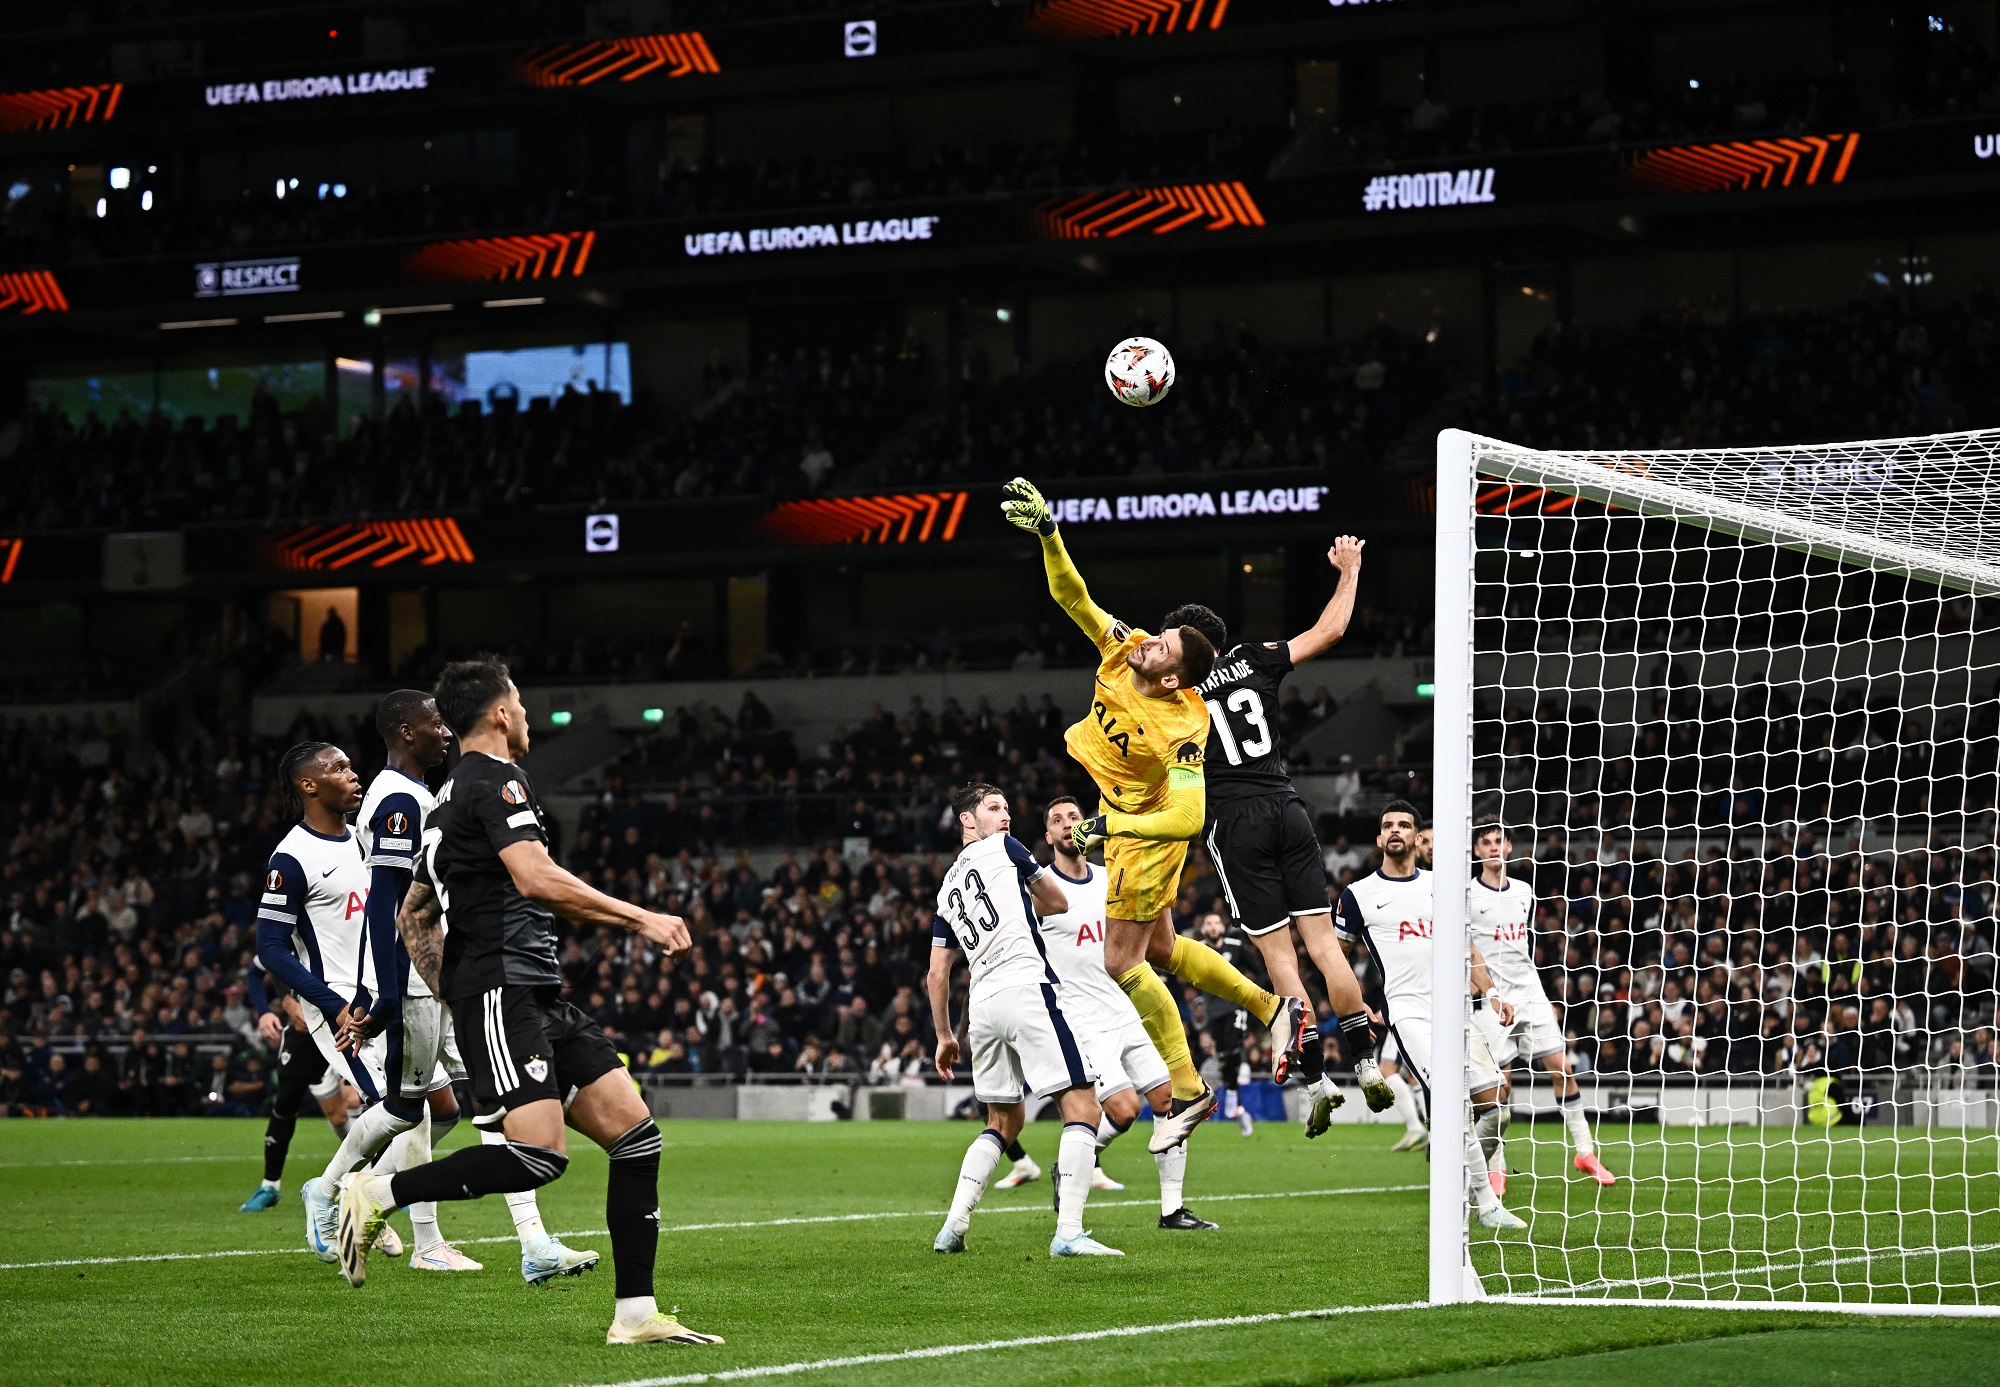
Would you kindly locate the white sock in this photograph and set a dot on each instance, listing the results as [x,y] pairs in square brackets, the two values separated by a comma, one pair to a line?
[1109,1131]
[1173,1174]
[1579,1130]
[412,1149]
[1245,1121]
[521,1204]
[636,1309]
[272,1185]
[1406,1102]
[1488,1127]
[1475,1171]
[975,1173]
[366,1136]
[1075,1158]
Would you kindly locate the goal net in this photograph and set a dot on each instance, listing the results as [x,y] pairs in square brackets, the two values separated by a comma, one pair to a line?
[1736,711]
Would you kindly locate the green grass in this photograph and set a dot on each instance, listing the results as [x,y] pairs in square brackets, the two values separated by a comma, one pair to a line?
[813,1291]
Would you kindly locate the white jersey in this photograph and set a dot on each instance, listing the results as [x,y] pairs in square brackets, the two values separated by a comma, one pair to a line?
[1074,939]
[983,909]
[391,829]
[1392,915]
[1497,920]
[312,922]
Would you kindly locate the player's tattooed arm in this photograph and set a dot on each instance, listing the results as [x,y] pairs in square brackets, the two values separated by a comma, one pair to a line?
[420,924]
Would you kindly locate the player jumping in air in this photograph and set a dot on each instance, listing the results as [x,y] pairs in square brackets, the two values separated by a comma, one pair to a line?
[1021,1042]
[1260,833]
[1390,911]
[1142,742]
[479,924]
[1498,912]
[1128,1064]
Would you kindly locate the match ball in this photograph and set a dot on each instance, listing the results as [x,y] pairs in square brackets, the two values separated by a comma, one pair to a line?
[1139,371]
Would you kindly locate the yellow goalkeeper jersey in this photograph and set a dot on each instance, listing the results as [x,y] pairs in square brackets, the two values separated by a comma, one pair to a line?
[1129,742]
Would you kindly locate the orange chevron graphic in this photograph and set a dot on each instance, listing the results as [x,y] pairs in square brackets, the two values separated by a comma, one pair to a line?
[549,256]
[32,291]
[10,555]
[1103,19]
[58,108]
[379,543]
[1742,164]
[1505,498]
[1159,210]
[900,519]
[627,59]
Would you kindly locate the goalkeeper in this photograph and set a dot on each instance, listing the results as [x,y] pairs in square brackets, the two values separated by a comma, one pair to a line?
[1142,743]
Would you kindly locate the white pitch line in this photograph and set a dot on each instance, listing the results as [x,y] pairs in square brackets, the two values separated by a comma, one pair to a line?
[1128,1331]
[154,1160]
[711,1227]
[1798,1263]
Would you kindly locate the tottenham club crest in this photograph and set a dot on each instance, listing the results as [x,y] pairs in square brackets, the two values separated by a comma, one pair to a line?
[514,792]
[538,1069]
[398,825]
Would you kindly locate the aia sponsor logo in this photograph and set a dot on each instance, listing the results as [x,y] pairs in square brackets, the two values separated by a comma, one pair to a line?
[1412,929]
[1090,932]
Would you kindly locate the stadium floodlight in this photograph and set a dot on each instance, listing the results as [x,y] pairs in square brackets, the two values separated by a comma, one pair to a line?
[1739,706]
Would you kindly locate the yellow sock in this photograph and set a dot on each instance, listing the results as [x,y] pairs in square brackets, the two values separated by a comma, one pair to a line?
[1163,1024]
[1212,973]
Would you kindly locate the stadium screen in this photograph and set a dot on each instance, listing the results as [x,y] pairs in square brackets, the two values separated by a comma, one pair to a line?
[529,373]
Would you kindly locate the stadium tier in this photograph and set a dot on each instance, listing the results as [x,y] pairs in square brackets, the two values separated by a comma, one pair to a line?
[1316,682]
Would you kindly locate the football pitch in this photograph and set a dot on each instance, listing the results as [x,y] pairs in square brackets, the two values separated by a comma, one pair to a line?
[808,1246]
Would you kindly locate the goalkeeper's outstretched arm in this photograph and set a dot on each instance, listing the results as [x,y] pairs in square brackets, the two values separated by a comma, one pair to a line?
[1176,821]
[1025,509]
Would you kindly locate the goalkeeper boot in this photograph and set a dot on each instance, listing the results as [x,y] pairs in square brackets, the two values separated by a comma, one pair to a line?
[1025,1172]
[262,1198]
[1594,1168]
[659,1329]
[1285,1028]
[1374,1087]
[543,1260]
[1179,1124]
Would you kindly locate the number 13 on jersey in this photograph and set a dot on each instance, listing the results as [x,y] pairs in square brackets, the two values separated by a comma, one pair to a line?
[1246,704]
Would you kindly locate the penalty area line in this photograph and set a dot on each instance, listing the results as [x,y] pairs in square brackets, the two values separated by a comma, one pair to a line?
[1129,1331]
[731,1225]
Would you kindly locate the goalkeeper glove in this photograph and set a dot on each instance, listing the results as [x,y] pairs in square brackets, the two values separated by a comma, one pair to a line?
[1087,835]
[1025,508]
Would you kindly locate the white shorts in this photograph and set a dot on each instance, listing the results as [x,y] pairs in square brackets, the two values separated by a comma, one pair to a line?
[1413,1039]
[1022,1046]
[366,1068]
[1533,1035]
[1124,1057]
[423,1049]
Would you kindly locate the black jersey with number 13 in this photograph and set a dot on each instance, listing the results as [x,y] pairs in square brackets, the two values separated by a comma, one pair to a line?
[1245,751]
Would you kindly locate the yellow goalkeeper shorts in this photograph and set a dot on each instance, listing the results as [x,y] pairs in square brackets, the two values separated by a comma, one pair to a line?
[1144,877]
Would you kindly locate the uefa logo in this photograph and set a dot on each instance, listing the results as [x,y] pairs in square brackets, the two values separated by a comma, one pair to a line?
[207,281]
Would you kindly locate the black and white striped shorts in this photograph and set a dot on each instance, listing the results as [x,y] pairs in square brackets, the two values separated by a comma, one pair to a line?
[522,1044]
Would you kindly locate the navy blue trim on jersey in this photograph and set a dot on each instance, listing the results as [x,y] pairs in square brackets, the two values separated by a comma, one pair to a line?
[392,1060]
[1403,1059]
[382,851]
[357,1074]
[1072,1057]
[1023,860]
[1349,911]
[1479,879]
[340,837]
[1083,880]
[277,926]
[1035,933]
[1411,877]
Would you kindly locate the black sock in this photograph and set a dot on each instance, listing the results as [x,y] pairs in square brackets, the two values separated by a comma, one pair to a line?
[473,1171]
[277,1141]
[632,1208]
[1312,1054]
[1015,1151]
[1358,1034]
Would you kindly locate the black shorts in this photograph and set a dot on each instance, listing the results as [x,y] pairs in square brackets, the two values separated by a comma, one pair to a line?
[521,1044]
[1268,857]
[302,1074]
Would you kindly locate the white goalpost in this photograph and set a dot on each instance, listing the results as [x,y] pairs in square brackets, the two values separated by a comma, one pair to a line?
[1738,711]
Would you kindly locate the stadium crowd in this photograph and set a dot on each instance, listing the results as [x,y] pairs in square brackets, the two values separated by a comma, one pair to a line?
[128,885]
[799,422]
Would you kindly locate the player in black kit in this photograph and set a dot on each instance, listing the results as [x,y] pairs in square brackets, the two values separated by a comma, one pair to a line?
[479,923]
[1260,833]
